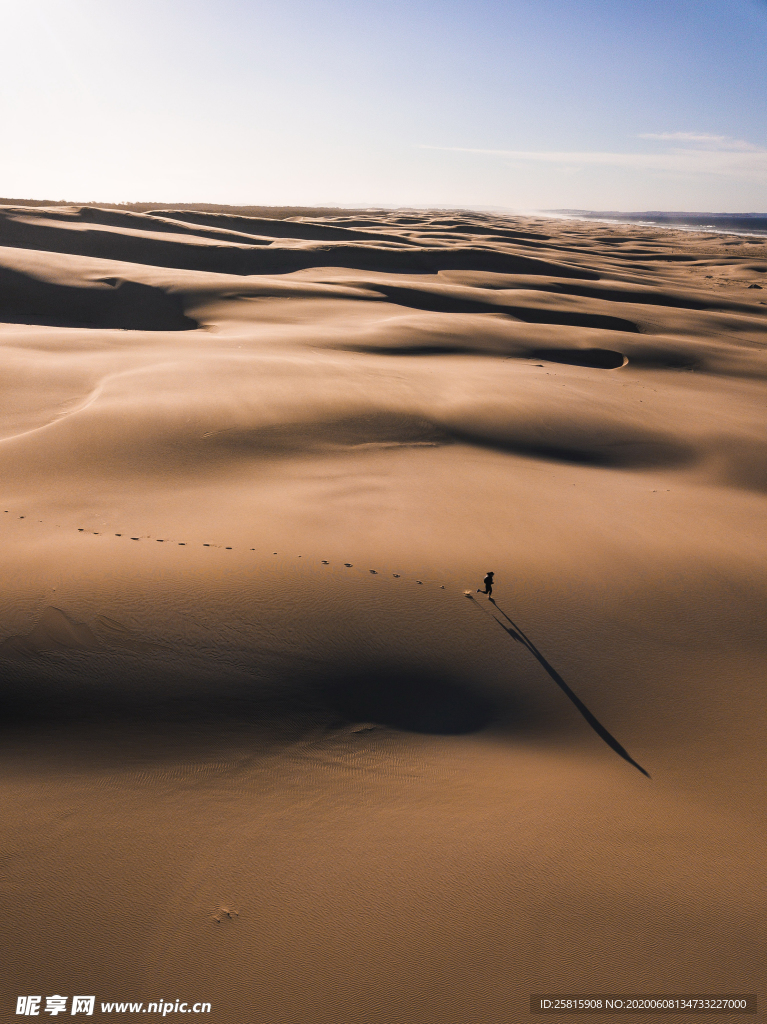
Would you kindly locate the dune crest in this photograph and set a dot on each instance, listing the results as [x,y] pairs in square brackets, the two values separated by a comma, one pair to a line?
[53,631]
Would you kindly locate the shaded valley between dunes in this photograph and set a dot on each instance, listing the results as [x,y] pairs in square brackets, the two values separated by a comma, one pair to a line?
[259,749]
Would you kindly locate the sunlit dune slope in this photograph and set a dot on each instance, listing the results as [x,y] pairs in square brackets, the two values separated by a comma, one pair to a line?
[266,745]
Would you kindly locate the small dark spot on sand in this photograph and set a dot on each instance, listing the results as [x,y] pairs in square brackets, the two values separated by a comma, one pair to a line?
[80,529]
[134,538]
[348,565]
[420,581]
[182,543]
[373,572]
[118,535]
[324,562]
[228,549]
[395,575]
[159,540]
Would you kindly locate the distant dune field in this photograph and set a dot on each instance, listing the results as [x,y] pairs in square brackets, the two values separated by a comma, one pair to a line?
[264,744]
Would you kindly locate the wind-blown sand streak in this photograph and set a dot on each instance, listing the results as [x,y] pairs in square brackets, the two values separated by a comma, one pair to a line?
[277,762]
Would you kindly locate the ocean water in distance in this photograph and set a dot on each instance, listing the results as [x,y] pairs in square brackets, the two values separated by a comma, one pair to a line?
[752,224]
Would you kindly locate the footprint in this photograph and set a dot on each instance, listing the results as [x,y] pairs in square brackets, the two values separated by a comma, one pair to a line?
[225,912]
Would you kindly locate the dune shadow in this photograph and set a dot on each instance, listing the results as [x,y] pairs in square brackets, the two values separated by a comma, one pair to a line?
[594,358]
[68,672]
[146,685]
[270,227]
[434,301]
[374,251]
[110,303]
[634,449]
[597,358]
[420,350]
[65,673]
[407,699]
[516,633]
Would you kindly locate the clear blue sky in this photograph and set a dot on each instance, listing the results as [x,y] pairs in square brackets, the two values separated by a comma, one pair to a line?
[519,104]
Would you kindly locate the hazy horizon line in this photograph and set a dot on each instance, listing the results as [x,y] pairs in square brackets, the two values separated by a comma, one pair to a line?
[335,205]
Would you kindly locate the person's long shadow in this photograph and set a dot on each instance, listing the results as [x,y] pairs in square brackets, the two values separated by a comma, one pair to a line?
[517,634]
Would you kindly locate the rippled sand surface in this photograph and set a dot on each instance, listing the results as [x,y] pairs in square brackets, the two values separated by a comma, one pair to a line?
[260,747]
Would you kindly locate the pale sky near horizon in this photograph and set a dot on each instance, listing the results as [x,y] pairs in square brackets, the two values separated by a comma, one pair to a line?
[515,104]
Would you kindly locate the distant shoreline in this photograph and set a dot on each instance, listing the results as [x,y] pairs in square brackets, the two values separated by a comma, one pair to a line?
[753,224]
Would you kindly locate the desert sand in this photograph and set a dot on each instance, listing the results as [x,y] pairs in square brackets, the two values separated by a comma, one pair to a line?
[261,748]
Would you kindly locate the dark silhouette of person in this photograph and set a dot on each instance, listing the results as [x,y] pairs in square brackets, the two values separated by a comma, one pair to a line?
[488,581]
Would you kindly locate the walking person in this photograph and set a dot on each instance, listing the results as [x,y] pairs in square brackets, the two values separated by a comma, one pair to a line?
[488,581]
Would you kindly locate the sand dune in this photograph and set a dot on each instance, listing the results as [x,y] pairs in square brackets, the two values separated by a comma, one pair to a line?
[262,748]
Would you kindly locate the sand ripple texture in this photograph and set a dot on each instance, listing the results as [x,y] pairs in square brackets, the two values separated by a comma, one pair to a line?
[261,748]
